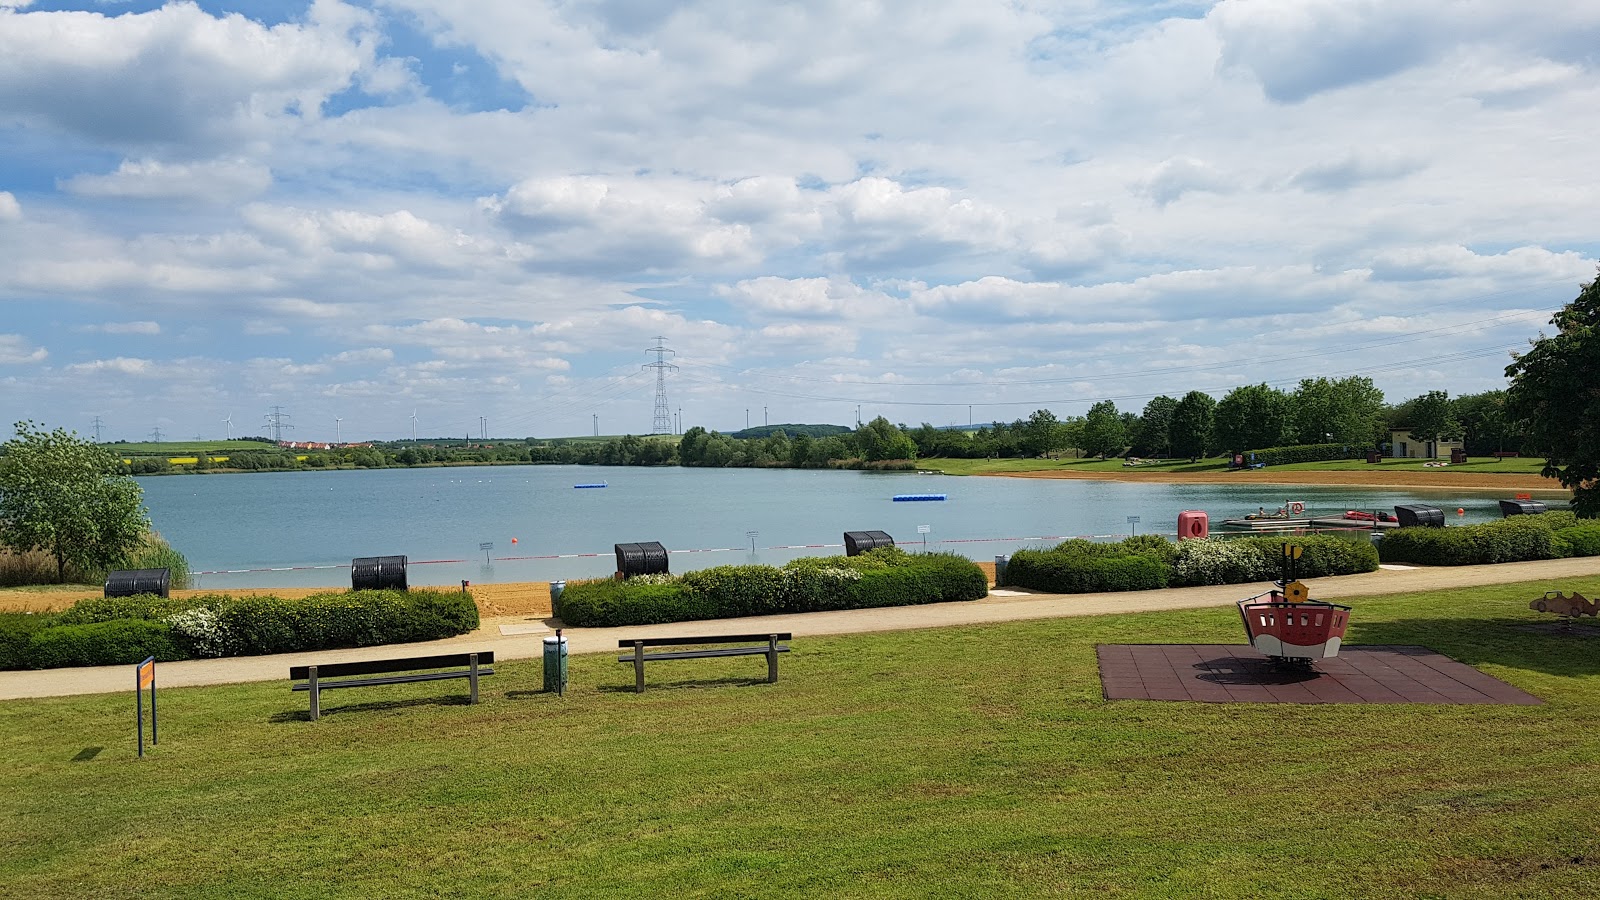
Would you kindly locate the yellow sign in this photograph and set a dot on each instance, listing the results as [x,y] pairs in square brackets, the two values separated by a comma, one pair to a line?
[1296,592]
[1292,551]
[147,673]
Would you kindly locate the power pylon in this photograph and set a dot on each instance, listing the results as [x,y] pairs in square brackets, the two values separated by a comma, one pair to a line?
[277,421]
[663,418]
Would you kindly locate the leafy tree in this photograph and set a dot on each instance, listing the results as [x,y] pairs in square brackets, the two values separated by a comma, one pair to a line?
[1344,411]
[1103,432]
[1192,421]
[1433,418]
[1154,437]
[1554,399]
[1042,433]
[1252,417]
[880,439]
[68,497]
[1484,424]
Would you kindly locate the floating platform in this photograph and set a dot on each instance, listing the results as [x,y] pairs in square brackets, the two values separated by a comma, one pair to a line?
[914,498]
[1342,522]
[1268,524]
[596,485]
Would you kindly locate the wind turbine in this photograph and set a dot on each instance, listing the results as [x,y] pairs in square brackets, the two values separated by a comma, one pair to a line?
[337,438]
[229,420]
[413,425]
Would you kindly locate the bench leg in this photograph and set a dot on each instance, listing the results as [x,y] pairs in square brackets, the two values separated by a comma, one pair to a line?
[316,698]
[772,659]
[472,677]
[638,667]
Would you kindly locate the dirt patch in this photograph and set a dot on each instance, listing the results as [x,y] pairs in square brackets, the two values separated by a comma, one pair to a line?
[1420,479]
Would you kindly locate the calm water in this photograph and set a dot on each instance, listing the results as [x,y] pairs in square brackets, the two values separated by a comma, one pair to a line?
[299,520]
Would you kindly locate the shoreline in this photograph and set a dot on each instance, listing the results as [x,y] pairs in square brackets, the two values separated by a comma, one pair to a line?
[1435,479]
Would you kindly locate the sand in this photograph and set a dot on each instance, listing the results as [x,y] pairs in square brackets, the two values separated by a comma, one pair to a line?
[1421,479]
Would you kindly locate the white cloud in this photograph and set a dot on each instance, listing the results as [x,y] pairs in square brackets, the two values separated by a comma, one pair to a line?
[148,179]
[10,209]
[146,328]
[121,365]
[16,350]
[1180,175]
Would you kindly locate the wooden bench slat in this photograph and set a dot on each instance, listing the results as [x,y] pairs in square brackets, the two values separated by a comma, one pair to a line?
[380,666]
[705,654]
[710,639]
[388,679]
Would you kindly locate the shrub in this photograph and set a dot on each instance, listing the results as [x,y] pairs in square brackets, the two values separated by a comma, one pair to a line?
[201,633]
[91,610]
[1322,556]
[1512,539]
[1303,453]
[1428,546]
[885,577]
[1151,545]
[1216,561]
[16,631]
[123,642]
[1584,540]
[1068,571]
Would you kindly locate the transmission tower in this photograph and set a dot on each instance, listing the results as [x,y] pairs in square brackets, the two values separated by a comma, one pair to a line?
[97,429]
[156,434]
[663,419]
[277,421]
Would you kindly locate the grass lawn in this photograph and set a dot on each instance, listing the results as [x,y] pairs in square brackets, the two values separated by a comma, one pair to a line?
[1484,465]
[966,762]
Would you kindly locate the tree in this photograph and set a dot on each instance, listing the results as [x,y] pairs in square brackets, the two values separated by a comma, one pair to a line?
[880,439]
[1341,411]
[1191,425]
[1103,432]
[1154,437]
[1484,425]
[1433,418]
[1252,417]
[68,497]
[1042,434]
[1554,399]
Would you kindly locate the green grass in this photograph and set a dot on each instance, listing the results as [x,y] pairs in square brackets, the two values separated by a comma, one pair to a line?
[964,762]
[1486,465]
[187,448]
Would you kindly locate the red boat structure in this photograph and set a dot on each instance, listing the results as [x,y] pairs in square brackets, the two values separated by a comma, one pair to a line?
[1290,628]
[1364,516]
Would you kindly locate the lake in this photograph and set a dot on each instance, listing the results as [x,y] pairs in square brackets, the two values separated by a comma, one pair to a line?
[303,528]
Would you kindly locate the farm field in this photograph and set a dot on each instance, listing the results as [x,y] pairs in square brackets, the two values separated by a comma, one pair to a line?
[972,761]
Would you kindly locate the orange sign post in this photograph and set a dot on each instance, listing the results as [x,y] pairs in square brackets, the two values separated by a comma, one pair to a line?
[144,675]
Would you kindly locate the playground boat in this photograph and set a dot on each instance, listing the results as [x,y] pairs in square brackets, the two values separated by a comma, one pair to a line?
[1289,627]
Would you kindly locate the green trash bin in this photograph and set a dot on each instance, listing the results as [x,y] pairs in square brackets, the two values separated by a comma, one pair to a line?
[555,664]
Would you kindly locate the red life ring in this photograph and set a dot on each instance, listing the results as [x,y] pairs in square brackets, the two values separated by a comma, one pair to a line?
[1196,528]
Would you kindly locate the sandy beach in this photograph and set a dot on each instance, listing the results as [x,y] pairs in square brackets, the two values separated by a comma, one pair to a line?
[1422,479]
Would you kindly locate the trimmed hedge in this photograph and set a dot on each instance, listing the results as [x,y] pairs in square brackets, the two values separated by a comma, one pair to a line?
[1147,562]
[102,631]
[16,631]
[1582,540]
[878,578]
[1514,539]
[1304,453]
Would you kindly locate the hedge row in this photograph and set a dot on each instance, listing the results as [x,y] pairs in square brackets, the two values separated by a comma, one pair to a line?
[1149,562]
[883,577]
[1304,453]
[125,630]
[1551,535]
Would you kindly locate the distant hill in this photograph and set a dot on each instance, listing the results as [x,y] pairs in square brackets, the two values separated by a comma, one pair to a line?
[792,430]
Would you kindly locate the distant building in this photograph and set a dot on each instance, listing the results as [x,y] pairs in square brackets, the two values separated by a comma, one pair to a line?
[1404,446]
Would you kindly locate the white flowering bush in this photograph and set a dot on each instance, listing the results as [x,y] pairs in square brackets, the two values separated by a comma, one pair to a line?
[1211,561]
[655,578]
[206,635]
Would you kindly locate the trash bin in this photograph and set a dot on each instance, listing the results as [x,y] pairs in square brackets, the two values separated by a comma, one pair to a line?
[555,664]
[1000,569]
[556,587]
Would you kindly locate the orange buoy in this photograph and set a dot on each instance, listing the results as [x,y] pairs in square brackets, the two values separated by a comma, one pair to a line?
[513,540]
[1459,512]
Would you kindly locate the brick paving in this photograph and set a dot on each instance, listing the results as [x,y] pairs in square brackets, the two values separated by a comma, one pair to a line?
[1237,673]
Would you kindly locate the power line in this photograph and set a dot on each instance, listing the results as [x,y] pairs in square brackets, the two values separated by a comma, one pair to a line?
[662,423]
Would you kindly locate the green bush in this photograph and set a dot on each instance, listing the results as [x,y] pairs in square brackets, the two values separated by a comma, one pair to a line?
[1304,453]
[884,577]
[218,625]
[1322,555]
[122,642]
[16,631]
[1220,561]
[1069,571]
[1583,540]
[1512,539]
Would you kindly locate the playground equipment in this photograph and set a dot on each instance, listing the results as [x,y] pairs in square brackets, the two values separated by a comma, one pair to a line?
[1287,626]
[1562,605]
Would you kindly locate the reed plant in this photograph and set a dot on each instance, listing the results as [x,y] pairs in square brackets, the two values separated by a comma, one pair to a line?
[19,568]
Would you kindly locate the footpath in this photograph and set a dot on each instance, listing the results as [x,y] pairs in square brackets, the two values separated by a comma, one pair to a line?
[519,638]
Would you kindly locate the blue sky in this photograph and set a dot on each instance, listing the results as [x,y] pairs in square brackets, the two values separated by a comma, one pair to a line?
[492,208]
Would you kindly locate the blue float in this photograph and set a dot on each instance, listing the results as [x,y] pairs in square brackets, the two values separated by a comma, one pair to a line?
[597,485]
[907,498]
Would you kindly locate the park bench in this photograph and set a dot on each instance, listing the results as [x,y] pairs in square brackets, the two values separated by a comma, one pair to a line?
[470,666]
[768,647]
[1506,454]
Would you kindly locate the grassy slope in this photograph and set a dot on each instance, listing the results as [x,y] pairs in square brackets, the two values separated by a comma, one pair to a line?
[960,762]
[187,448]
[1519,466]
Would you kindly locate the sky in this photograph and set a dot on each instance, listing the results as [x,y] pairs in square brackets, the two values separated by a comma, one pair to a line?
[472,217]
